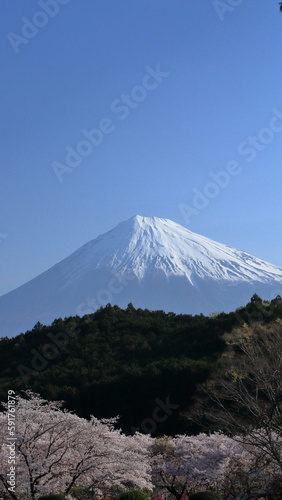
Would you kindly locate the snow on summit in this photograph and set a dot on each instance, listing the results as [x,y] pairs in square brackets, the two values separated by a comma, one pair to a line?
[141,244]
[153,263]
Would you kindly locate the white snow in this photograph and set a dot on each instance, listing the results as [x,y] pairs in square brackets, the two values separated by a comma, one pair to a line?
[142,243]
[153,263]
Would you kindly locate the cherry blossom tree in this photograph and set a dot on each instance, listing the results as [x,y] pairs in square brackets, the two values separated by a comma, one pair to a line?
[186,463]
[55,450]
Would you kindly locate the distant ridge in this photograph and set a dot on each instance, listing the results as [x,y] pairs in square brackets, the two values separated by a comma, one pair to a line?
[153,263]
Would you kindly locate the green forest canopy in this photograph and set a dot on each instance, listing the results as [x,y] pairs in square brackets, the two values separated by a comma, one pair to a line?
[125,362]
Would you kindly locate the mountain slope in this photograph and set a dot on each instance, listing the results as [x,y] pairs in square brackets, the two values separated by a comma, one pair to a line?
[153,263]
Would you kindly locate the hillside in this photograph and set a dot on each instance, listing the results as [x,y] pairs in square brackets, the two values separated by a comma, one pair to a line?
[128,362]
[153,263]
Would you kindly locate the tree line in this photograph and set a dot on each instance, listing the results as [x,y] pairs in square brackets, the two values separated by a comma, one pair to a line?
[128,362]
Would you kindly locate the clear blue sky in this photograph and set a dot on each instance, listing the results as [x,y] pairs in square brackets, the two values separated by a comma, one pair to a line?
[220,81]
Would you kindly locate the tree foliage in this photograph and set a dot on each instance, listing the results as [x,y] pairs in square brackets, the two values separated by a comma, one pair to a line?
[56,450]
[87,362]
[244,393]
[59,453]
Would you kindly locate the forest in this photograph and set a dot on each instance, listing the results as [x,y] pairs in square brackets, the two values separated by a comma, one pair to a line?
[137,364]
[155,405]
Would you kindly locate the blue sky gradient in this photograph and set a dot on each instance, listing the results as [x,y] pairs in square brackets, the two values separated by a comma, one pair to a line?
[70,65]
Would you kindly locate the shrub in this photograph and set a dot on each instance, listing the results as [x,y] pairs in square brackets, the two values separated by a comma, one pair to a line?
[53,496]
[133,495]
[204,495]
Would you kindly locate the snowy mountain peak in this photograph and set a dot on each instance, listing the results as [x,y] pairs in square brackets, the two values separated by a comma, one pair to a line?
[141,245]
[153,263]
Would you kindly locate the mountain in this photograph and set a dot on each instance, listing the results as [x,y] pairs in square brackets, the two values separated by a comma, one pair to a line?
[153,263]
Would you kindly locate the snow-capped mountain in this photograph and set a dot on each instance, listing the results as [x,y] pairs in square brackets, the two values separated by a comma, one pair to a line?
[153,263]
